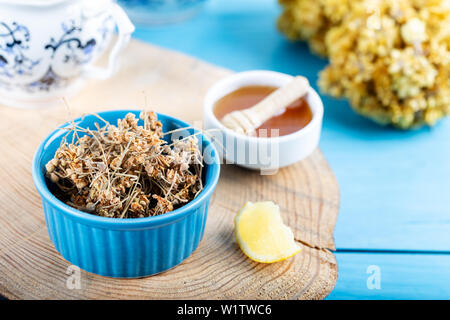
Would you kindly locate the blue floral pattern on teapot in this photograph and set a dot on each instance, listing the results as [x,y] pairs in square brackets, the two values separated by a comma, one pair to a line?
[69,48]
[14,40]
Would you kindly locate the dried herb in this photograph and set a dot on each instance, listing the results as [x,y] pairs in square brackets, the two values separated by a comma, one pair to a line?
[390,59]
[126,171]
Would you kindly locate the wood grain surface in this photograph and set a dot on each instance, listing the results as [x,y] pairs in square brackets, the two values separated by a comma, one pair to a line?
[172,83]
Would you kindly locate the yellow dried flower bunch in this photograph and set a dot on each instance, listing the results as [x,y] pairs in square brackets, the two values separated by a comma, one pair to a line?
[391,59]
[126,171]
[310,20]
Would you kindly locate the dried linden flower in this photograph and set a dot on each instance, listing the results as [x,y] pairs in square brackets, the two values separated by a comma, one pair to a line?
[126,171]
[391,59]
[414,31]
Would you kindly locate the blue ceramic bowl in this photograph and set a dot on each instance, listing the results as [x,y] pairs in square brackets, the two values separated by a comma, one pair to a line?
[124,248]
[157,12]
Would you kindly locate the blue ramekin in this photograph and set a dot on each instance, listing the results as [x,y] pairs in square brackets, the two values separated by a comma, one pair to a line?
[124,248]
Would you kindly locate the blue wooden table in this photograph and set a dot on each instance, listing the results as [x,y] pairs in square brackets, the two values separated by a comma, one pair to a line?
[395,186]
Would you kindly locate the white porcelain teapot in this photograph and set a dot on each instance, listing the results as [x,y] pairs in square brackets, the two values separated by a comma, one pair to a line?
[48,47]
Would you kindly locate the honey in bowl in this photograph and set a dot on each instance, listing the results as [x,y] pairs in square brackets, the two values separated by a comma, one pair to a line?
[295,117]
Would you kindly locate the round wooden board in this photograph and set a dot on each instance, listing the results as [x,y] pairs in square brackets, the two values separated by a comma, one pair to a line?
[307,192]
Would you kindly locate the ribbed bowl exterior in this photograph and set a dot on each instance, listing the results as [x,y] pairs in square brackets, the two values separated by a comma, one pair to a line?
[124,248]
[121,253]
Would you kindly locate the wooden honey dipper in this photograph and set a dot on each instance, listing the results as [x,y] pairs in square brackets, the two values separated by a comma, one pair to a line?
[248,120]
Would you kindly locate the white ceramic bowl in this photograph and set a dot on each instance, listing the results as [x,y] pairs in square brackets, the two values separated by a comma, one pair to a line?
[255,152]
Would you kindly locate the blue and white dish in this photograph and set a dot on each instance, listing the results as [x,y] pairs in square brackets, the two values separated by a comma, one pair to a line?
[154,12]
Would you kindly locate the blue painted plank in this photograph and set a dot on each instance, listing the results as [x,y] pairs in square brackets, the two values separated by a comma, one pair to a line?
[402,276]
[394,185]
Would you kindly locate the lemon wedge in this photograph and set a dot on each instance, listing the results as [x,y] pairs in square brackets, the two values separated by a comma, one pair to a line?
[262,235]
